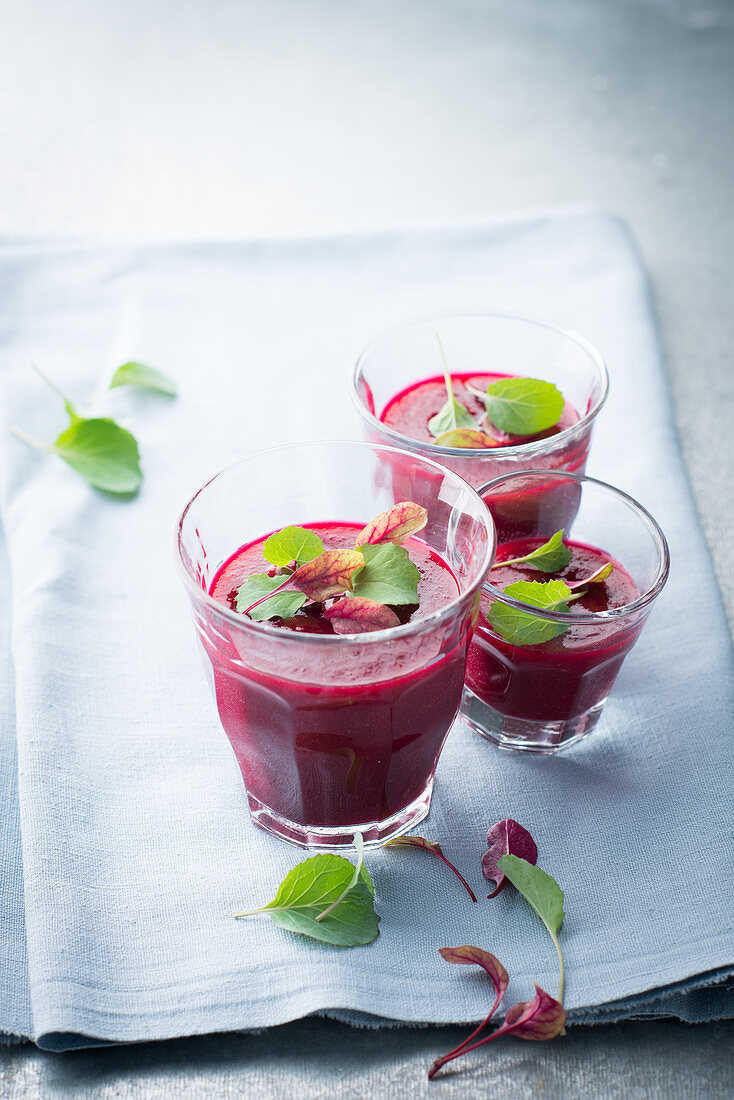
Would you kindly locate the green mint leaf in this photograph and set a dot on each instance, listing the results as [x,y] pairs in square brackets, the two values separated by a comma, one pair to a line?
[388,575]
[145,378]
[305,902]
[522,628]
[450,418]
[542,892]
[453,415]
[552,556]
[280,606]
[359,845]
[292,544]
[102,452]
[523,406]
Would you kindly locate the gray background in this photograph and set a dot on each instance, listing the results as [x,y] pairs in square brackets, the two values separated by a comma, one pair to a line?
[233,118]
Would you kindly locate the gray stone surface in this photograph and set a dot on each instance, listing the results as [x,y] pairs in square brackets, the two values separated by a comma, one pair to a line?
[316,1060]
[221,118]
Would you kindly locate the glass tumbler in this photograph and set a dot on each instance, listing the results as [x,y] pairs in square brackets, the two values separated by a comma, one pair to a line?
[334,733]
[476,344]
[546,695]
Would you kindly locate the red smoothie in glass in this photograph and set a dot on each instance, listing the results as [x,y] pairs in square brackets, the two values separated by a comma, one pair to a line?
[564,677]
[409,411]
[326,737]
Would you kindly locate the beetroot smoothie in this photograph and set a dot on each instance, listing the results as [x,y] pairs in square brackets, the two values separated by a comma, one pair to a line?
[338,734]
[557,680]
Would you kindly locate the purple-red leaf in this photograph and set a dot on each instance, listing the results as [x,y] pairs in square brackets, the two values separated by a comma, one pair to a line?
[329,574]
[394,525]
[542,1018]
[356,615]
[430,846]
[506,838]
[467,956]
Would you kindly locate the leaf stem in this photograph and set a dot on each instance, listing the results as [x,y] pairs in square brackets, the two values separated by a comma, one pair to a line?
[458,874]
[464,1049]
[52,386]
[28,439]
[449,383]
[561,980]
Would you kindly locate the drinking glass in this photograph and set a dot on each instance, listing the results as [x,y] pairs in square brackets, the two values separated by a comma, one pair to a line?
[482,343]
[544,697]
[334,733]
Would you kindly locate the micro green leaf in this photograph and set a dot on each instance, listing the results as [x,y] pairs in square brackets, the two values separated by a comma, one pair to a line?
[465,437]
[388,575]
[394,525]
[523,406]
[552,556]
[543,893]
[506,837]
[475,956]
[254,591]
[499,977]
[431,846]
[542,1018]
[145,378]
[452,415]
[355,615]
[523,628]
[292,544]
[323,898]
[536,1020]
[329,574]
[601,574]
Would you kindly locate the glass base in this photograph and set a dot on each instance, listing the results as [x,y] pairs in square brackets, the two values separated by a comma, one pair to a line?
[524,734]
[374,833]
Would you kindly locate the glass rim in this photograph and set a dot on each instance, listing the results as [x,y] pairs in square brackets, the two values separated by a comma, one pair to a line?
[262,629]
[579,618]
[538,446]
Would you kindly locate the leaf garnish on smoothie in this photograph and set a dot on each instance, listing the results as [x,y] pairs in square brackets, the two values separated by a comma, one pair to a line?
[466,437]
[552,556]
[522,406]
[394,525]
[521,627]
[453,415]
[375,577]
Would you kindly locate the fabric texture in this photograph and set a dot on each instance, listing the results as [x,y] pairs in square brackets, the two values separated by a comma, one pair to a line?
[126,835]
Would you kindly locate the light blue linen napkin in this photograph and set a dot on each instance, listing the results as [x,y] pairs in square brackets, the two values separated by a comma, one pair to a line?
[136,842]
